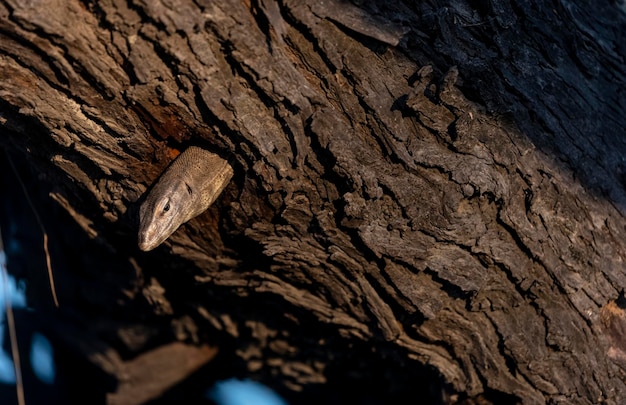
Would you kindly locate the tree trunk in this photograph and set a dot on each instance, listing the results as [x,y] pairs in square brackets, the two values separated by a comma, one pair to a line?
[428,198]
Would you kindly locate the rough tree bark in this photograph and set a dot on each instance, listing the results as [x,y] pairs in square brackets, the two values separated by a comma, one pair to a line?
[428,197]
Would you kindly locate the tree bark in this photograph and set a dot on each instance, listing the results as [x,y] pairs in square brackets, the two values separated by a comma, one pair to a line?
[428,198]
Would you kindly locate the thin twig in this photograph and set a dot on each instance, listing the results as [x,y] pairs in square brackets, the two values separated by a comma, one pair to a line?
[43,230]
[19,385]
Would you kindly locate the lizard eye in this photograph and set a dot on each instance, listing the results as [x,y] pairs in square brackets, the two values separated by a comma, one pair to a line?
[166,208]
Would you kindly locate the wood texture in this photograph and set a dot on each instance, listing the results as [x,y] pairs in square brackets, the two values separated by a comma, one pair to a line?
[428,199]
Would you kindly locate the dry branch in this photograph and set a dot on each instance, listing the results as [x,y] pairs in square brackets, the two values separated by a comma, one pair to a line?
[427,198]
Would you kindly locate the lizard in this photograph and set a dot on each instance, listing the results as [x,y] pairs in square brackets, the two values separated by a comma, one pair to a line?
[187,188]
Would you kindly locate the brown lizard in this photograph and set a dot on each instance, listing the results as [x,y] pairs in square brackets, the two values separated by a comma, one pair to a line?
[186,189]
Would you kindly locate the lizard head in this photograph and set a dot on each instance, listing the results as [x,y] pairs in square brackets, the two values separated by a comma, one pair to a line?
[167,207]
